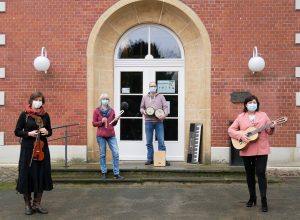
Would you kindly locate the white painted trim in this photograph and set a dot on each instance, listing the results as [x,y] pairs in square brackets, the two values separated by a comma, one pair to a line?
[2,6]
[279,155]
[9,154]
[2,72]
[298,140]
[2,98]
[297,98]
[297,38]
[297,71]
[2,39]
[129,150]
[1,138]
[220,155]
[297,4]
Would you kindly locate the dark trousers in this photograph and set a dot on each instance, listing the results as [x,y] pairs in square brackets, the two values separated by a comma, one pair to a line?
[256,164]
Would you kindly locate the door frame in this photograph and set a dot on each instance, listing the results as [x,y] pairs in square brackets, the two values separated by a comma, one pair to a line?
[152,66]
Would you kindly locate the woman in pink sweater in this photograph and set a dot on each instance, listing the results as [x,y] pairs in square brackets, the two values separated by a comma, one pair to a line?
[255,154]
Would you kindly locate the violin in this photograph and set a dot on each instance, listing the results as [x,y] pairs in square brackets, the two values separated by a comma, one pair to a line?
[37,153]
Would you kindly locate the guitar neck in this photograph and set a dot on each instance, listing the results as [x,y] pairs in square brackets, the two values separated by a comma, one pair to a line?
[258,130]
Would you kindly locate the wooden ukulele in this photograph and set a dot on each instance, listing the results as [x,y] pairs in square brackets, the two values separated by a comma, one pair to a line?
[252,133]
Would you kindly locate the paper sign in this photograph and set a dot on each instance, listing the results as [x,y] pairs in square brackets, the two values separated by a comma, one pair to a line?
[125,90]
[166,86]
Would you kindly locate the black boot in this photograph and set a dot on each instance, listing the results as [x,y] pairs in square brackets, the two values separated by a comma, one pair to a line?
[264,204]
[251,202]
[36,206]
[28,209]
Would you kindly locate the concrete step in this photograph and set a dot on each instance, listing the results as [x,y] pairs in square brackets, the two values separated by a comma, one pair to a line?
[148,174]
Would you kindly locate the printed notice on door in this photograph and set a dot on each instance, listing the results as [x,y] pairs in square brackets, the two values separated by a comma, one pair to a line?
[166,86]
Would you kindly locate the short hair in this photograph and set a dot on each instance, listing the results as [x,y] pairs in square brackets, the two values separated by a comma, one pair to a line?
[35,95]
[248,99]
[152,82]
[101,97]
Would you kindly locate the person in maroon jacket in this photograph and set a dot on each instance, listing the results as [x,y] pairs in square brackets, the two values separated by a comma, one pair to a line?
[102,118]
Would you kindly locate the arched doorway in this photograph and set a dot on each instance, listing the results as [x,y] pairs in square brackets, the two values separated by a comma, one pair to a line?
[178,18]
[148,53]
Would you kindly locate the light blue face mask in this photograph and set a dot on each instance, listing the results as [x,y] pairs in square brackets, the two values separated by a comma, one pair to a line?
[152,89]
[105,102]
[252,107]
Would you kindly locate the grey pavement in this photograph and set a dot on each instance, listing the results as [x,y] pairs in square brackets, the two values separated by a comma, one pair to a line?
[157,201]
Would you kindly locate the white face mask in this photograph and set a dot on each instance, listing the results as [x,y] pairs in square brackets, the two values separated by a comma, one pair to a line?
[36,104]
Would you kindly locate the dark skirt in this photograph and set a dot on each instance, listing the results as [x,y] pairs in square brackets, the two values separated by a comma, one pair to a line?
[37,177]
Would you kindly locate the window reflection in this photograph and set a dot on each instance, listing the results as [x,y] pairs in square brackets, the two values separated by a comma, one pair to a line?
[173,105]
[131,82]
[135,45]
[162,44]
[131,105]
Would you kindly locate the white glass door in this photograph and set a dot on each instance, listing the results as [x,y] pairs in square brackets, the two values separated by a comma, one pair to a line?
[131,83]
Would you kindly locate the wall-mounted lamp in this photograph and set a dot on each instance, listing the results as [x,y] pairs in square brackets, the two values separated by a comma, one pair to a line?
[256,63]
[42,63]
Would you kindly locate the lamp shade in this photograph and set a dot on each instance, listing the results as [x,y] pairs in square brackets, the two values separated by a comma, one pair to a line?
[256,63]
[42,63]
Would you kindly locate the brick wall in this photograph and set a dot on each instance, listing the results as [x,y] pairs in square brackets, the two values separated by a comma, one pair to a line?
[234,27]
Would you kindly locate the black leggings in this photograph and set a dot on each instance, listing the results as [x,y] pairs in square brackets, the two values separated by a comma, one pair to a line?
[256,164]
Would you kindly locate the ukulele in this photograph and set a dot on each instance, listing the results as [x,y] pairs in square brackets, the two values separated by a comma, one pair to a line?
[252,133]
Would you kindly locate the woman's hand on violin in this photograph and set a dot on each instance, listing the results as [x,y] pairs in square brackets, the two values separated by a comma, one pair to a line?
[33,133]
[44,131]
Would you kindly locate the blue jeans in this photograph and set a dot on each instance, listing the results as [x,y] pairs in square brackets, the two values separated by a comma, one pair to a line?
[112,143]
[159,132]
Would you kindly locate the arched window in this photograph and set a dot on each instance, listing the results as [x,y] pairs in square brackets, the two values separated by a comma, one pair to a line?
[135,44]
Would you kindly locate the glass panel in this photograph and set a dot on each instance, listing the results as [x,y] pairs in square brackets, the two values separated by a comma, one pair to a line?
[131,105]
[165,82]
[131,129]
[171,130]
[173,99]
[163,44]
[131,82]
[135,44]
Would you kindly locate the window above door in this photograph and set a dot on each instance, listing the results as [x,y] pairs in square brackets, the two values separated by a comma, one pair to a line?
[149,42]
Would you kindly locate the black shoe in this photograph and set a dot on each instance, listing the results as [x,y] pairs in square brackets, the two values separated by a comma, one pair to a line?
[251,202]
[168,163]
[264,204]
[28,210]
[118,177]
[41,210]
[149,162]
[104,176]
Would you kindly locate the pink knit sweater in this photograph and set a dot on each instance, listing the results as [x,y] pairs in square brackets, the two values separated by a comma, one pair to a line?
[261,146]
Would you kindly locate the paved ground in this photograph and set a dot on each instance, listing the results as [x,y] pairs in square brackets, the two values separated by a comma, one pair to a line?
[176,201]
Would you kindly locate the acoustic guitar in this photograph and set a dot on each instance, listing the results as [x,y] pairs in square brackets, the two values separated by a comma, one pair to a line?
[252,133]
